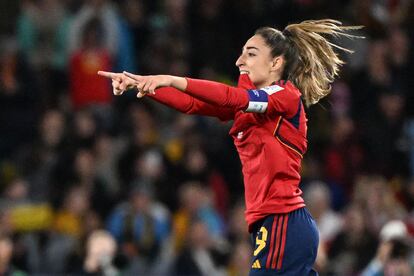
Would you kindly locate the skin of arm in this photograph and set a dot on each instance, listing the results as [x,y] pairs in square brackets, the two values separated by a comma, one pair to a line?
[179,83]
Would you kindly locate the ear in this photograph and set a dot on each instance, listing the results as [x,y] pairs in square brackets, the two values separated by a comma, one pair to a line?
[277,63]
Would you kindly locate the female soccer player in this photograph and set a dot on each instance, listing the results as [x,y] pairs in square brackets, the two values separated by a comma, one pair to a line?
[281,71]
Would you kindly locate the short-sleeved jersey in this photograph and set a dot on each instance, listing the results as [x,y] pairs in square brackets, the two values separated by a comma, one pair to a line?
[269,132]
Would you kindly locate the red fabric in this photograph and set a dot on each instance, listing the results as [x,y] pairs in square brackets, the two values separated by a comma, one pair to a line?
[277,245]
[245,82]
[282,246]
[270,164]
[272,240]
[335,165]
[271,168]
[220,190]
[86,86]
[218,94]
[185,103]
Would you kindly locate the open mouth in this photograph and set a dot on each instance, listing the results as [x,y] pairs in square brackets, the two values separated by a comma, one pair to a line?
[244,72]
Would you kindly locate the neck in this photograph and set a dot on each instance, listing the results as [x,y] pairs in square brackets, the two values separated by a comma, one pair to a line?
[267,83]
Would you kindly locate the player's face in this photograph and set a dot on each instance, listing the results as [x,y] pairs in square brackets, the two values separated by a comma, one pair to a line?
[256,61]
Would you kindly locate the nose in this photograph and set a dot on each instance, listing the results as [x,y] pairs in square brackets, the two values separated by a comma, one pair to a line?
[240,61]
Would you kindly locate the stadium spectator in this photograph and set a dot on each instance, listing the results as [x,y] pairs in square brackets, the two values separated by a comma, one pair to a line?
[140,225]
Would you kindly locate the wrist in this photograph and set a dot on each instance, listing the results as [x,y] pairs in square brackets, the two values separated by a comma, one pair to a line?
[179,83]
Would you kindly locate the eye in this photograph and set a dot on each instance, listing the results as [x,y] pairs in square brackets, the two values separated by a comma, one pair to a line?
[251,55]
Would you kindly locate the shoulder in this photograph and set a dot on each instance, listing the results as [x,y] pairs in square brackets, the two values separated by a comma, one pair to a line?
[284,91]
[288,86]
[281,87]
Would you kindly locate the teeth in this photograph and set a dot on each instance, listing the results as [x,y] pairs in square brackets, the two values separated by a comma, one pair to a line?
[244,72]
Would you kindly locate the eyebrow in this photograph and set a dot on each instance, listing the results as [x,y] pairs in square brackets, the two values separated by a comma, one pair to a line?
[252,48]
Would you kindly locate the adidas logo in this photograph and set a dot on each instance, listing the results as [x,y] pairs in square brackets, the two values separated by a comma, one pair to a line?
[256,264]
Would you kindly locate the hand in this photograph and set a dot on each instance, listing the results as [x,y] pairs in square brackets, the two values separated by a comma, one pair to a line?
[120,82]
[148,84]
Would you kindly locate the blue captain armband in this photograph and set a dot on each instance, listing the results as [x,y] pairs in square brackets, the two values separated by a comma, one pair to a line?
[258,100]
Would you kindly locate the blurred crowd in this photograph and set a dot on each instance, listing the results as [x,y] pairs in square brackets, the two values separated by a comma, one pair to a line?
[91,184]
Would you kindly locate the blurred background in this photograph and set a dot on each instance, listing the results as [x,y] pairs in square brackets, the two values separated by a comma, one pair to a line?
[91,184]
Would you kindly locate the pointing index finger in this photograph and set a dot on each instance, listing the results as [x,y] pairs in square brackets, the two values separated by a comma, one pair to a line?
[108,75]
[132,76]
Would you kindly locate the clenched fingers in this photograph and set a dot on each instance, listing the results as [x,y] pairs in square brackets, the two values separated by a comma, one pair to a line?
[116,88]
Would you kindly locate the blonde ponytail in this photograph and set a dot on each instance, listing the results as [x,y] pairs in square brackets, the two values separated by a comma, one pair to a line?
[318,63]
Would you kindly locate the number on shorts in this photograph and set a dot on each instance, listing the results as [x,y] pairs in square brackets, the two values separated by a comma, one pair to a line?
[261,243]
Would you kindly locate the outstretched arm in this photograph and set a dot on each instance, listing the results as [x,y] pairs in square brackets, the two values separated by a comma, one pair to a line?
[214,93]
[279,98]
[171,97]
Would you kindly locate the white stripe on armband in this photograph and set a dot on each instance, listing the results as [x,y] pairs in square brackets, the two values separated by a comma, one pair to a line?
[257,107]
[258,101]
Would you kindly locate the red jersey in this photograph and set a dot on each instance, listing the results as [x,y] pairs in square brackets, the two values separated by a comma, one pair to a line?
[269,132]
[86,87]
